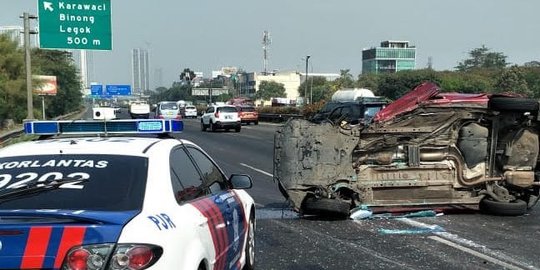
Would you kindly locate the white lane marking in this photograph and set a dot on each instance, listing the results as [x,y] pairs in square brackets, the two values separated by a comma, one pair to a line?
[465,245]
[257,170]
[474,253]
[325,237]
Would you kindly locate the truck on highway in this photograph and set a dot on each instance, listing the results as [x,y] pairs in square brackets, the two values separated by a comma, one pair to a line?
[428,149]
[103,113]
[139,109]
[351,106]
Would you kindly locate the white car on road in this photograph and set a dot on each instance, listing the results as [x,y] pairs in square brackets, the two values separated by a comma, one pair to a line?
[190,111]
[221,117]
[139,109]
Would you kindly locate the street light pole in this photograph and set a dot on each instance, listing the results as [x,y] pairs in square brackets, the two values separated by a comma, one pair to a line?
[28,63]
[306,81]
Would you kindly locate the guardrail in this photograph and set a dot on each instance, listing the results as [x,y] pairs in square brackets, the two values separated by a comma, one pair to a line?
[277,117]
[6,135]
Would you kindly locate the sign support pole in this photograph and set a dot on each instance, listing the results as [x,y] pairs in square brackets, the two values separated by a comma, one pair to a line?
[43,106]
[28,63]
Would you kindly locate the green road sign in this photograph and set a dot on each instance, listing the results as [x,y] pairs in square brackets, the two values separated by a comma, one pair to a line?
[75,24]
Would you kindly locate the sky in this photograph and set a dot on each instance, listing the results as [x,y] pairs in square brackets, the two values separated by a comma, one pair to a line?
[205,35]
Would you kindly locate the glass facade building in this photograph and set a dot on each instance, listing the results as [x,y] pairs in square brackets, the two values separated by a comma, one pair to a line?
[391,56]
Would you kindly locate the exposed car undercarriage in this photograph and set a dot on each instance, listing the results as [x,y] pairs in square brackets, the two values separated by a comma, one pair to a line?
[434,150]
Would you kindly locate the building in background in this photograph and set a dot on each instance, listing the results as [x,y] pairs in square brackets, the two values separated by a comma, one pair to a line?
[391,56]
[85,58]
[224,71]
[290,80]
[140,74]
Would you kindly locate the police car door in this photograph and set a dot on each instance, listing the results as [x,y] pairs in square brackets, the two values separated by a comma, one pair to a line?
[188,186]
[228,203]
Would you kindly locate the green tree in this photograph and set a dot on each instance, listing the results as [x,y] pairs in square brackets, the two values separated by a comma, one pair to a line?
[483,58]
[12,81]
[345,80]
[60,64]
[395,85]
[467,82]
[512,79]
[532,64]
[178,91]
[187,75]
[532,76]
[318,86]
[269,89]
[369,81]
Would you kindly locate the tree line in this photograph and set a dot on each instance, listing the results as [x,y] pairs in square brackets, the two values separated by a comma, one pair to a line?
[483,71]
[13,95]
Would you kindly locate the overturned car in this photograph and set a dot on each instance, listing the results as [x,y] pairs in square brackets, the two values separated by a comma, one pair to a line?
[425,149]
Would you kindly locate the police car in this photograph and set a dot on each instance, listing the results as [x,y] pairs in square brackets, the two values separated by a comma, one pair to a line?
[90,199]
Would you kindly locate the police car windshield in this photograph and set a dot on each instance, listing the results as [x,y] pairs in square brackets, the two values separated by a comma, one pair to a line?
[110,182]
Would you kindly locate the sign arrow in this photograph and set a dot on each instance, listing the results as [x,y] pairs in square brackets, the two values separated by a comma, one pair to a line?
[48,6]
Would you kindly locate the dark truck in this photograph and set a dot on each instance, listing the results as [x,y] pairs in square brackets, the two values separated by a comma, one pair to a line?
[426,149]
[352,112]
[350,106]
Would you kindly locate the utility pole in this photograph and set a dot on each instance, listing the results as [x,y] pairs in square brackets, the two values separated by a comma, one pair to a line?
[266,43]
[306,81]
[29,102]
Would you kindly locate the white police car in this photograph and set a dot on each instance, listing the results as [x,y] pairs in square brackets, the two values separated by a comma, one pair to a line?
[115,202]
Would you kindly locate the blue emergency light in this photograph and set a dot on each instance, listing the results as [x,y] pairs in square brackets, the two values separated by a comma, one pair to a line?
[128,126]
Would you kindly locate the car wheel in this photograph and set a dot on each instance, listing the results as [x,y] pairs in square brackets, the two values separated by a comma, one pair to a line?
[213,127]
[512,104]
[492,207]
[238,128]
[256,122]
[203,126]
[250,246]
[332,208]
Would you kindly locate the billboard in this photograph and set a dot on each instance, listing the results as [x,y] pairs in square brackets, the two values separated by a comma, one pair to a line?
[45,85]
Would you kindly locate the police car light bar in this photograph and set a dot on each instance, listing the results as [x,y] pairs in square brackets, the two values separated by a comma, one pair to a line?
[128,126]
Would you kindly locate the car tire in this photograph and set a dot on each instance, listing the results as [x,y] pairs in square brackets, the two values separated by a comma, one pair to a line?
[250,245]
[492,207]
[203,126]
[325,207]
[513,104]
[238,128]
[256,122]
[212,127]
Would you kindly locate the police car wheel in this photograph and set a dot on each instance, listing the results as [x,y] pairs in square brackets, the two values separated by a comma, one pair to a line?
[250,246]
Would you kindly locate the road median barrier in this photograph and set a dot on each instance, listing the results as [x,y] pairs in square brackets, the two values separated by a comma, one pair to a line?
[277,117]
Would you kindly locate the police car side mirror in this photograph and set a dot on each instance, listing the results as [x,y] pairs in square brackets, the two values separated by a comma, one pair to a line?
[241,181]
